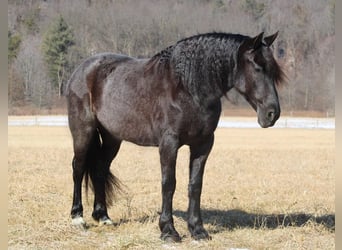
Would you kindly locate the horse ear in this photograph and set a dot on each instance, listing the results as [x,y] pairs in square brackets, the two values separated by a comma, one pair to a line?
[252,43]
[257,41]
[270,39]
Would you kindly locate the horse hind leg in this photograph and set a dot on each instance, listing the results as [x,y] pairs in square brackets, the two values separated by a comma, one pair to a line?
[81,162]
[77,208]
[82,124]
[103,181]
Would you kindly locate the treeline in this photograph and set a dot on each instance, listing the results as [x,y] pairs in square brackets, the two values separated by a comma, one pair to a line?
[47,39]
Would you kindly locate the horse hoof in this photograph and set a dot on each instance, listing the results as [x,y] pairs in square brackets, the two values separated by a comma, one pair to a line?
[79,222]
[171,238]
[105,222]
[200,234]
[201,237]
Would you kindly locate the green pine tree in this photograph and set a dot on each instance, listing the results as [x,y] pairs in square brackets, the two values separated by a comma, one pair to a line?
[13,46]
[57,40]
[255,8]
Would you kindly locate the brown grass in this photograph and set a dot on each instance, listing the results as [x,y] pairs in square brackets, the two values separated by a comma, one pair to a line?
[263,189]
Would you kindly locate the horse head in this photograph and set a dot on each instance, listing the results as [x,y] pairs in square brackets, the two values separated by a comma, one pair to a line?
[257,76]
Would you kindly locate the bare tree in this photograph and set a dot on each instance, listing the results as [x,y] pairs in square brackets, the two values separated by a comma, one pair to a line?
[34,78]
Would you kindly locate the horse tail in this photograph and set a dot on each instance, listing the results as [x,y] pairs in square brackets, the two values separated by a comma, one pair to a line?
[98,172]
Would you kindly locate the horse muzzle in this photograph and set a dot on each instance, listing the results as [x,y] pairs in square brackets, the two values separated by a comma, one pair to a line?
[267,117]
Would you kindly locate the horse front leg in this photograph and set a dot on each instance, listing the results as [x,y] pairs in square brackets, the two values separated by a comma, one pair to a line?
[198,157]
[168,154]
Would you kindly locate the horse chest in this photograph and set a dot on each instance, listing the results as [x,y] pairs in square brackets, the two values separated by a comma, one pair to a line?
[200,125]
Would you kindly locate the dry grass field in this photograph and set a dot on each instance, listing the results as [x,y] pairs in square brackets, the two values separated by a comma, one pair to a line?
[263,189]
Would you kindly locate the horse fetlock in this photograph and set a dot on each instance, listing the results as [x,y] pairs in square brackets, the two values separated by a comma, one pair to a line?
[102,217]
[99,212]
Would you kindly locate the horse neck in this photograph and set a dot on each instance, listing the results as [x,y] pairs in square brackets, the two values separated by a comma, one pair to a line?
[206,69]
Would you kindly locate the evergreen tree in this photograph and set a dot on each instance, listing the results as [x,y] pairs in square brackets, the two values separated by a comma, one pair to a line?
[57,40]
[13,46]
[255,8]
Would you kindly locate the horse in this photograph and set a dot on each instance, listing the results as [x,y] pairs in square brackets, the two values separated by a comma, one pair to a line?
[167,101]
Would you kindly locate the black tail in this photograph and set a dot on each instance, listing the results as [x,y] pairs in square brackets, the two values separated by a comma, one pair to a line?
[98,172]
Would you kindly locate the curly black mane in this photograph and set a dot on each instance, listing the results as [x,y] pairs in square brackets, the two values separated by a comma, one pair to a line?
[202,58]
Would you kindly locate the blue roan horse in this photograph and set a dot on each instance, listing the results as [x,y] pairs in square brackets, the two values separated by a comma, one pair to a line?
[169,100]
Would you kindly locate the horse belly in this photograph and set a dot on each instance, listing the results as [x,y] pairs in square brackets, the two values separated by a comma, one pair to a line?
[128,124]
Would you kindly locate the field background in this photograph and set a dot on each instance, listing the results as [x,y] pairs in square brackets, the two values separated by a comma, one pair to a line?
[263,189]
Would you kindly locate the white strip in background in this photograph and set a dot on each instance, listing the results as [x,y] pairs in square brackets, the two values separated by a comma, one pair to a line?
[224,122]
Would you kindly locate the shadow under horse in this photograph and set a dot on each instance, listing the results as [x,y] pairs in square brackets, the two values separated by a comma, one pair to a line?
[236,218]
[167,101]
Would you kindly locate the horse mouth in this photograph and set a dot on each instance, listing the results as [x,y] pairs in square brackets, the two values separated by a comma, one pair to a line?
[265,124]
[267,117]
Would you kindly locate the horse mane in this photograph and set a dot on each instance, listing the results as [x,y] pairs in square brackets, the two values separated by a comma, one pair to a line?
[162,58]
[217,35]
[164,55]
[202,63]
[276,71]
[278,74]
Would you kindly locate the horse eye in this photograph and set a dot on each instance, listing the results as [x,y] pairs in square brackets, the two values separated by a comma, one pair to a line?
[258,69]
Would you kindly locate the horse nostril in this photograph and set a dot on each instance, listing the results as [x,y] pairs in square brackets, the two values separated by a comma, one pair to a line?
[270,115]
